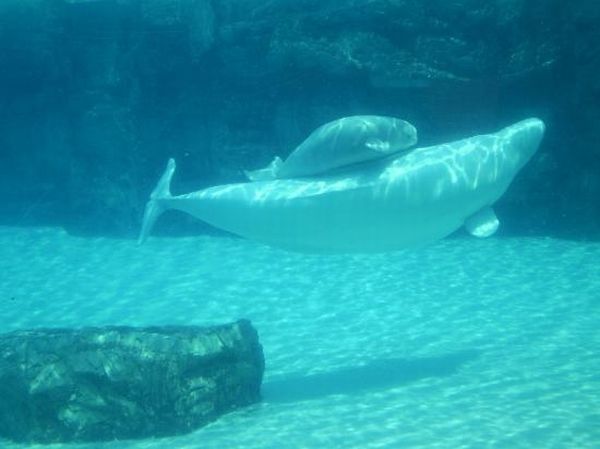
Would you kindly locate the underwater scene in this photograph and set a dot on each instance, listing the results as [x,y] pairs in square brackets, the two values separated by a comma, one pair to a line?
[299,224]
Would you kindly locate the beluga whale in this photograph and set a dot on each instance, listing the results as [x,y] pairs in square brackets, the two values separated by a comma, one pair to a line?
[400,199]
[340,143]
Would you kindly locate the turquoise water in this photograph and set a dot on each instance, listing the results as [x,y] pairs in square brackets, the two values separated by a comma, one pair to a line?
[462,344]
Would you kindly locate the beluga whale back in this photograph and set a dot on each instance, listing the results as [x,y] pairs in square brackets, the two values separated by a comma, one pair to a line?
[402,201]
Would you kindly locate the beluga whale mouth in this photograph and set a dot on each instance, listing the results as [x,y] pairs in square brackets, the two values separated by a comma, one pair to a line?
[408,199]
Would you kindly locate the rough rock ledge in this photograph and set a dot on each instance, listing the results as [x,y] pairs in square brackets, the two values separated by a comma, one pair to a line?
[97,384]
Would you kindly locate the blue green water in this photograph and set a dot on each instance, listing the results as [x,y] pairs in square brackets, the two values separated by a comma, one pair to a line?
[462,344]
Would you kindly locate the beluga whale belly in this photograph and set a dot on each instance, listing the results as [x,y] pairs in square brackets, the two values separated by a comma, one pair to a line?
[404,200]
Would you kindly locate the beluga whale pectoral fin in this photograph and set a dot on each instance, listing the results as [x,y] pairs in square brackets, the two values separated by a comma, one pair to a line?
[482,223]
[155,206]
[268,173]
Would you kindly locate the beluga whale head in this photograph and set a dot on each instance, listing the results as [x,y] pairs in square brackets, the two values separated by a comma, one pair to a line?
[522,140]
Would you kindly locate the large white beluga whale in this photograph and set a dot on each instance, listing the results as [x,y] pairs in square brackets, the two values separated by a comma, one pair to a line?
[403,199]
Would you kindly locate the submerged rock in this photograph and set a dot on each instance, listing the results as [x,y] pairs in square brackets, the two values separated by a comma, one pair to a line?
[95,384]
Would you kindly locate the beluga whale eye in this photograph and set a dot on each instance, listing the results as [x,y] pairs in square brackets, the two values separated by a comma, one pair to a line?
[384,201]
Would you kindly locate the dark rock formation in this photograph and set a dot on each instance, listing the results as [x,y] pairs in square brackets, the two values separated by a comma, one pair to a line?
[96,384]
[97,95]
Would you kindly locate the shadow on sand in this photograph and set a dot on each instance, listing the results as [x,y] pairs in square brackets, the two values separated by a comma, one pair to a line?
[375,375]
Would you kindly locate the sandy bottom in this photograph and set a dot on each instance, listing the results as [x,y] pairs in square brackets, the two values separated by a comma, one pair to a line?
[464,344]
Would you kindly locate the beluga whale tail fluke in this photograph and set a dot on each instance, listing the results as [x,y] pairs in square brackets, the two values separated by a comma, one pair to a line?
[408,198]
[155,206]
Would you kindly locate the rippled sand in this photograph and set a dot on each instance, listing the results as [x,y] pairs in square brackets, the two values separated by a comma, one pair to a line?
[464,344]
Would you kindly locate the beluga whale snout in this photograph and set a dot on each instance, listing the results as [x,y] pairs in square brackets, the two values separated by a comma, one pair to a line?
[523,140]
[408,198]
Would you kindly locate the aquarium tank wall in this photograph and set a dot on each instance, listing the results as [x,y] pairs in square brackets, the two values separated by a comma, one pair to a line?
[96,95]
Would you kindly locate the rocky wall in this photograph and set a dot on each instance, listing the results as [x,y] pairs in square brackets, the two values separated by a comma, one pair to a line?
[96,95]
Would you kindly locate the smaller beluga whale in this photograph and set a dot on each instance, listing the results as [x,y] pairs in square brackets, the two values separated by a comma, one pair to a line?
[340,143]
[355,185]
